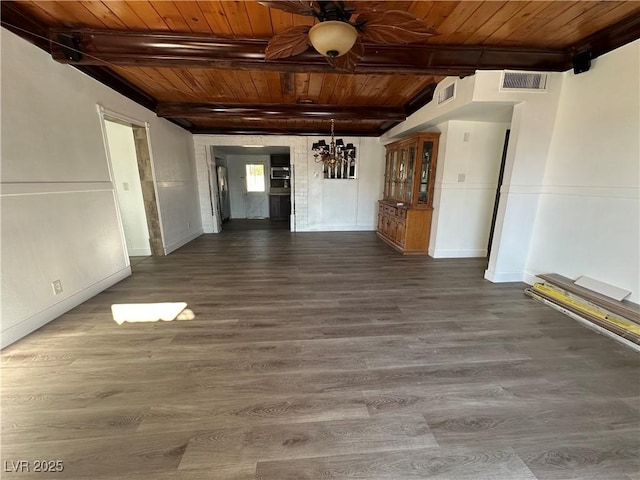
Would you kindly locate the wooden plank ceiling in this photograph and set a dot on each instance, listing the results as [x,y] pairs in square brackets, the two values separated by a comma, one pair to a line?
[201,63]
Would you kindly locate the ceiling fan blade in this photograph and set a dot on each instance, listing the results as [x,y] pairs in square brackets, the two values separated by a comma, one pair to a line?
[349,60]
[394,26]
[300,7]
[292,41]
[365,6]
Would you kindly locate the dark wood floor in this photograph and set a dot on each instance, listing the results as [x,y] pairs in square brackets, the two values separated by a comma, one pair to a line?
[244,224]
[320,356]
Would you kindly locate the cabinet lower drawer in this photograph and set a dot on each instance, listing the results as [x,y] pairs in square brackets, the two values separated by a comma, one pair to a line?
[405,229]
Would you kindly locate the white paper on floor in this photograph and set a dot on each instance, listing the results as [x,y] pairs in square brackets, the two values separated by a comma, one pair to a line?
[146,312]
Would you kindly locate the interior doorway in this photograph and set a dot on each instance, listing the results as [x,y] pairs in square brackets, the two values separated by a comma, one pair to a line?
[260,187]
[128,152]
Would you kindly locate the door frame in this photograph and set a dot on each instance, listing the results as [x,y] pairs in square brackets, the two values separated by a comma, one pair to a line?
[494,216]
[146,170]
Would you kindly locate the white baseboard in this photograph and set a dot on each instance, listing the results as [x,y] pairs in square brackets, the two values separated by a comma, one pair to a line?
[139,252]
[530,279]
[28,325]
[482,252]
[340,228]
[503,277]
[183,241]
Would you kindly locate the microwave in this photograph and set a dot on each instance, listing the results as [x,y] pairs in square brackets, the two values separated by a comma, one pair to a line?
[280,173]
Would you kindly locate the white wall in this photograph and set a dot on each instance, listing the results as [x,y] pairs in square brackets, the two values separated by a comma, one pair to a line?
[569,201]
[463,208]
[423,118]
[126,179]
[532,122]
[532,126]
[59,217]
[588,218]
[320,204]
[350,204]
[370,182]
[176,182]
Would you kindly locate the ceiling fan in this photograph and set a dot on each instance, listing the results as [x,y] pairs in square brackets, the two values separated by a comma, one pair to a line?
[336,35]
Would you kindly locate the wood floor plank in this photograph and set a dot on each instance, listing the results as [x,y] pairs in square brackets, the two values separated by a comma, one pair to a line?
[242,412]
[27,425]
[434,464]
[317,356]
[306,440]
[585,457]
[113,454]
[444,397]
[523,421]
[445,356]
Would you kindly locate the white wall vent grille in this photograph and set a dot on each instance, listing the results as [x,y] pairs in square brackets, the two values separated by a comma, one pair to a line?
[524,81]
[447,93]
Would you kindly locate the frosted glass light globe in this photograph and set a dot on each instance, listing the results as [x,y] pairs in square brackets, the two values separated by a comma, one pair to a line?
[333,38]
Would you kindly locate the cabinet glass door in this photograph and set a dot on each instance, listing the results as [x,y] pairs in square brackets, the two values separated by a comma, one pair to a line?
[409,183]
[394,175]
[425,171]
[402,174]
[387,176]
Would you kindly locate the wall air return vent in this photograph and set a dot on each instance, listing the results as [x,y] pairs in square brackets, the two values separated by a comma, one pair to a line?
[524,81]
[447,93]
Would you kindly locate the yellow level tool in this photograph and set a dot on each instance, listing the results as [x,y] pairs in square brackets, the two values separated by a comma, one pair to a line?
[561,297]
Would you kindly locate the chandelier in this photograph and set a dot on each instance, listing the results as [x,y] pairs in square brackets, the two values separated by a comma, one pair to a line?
[338,160]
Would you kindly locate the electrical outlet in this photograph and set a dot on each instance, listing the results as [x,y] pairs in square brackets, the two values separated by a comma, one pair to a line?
[461,177]
[467,136]
[57,287]
[188,225]
[125,186]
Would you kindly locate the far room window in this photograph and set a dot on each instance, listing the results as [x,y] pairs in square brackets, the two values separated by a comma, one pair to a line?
[255,177]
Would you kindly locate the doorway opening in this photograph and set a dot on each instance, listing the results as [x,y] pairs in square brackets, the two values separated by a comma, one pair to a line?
[131,170]
[252,188]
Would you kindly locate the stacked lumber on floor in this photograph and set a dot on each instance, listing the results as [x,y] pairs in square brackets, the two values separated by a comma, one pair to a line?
[617,319]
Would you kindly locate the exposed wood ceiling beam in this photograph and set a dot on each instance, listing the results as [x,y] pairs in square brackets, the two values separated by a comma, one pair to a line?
[369,132]
[279,111]
[420,99]
[167,49]
[100,47]
[608,39]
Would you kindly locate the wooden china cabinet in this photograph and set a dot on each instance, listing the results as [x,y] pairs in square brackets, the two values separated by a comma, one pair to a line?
[404,213]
